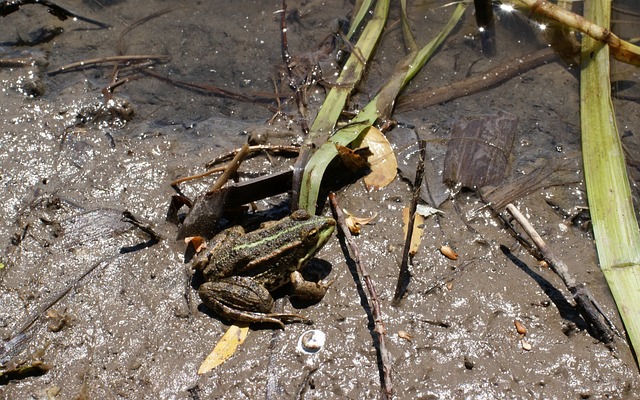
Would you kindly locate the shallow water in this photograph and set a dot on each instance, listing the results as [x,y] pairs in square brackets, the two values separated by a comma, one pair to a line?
[131,333]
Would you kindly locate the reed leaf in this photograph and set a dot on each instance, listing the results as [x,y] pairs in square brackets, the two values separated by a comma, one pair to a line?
[380,107]
[614,223]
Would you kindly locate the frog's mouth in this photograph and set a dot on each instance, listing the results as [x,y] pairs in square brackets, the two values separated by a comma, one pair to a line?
[325,233]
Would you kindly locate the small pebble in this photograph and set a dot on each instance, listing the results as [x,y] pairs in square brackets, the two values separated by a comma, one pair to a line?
[526,345]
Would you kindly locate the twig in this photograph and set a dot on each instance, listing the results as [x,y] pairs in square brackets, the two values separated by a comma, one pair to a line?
[476,83]
[448,278]
[589,309]
[120,46]
[217,91]
[109,59]
[53,300]
[196,176]
[374,301]
[231,168]
[255,149]
[405,275]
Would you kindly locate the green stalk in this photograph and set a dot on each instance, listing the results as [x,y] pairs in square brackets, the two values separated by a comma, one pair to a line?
[614,223]
[380,107]
[351,74]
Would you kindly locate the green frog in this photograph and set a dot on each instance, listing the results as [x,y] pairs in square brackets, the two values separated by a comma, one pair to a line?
[241,270]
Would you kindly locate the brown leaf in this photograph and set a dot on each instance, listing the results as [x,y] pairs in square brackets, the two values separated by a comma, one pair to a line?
[417,229]
[384,166]
[354,160]
[198,243]
[225,348]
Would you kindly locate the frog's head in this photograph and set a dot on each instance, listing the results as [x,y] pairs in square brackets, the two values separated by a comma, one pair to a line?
[314,231]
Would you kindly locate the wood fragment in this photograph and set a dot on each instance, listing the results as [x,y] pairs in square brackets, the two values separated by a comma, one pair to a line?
[603,328]
[372,299]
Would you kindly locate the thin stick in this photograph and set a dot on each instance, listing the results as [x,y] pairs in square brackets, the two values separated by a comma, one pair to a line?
[109,59]
[197,176]
[405,275]
[231,168]
[255,149]
[217,91]
[373,300]
[588,307]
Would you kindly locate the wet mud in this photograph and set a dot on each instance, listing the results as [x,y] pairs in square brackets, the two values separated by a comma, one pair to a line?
[127,322]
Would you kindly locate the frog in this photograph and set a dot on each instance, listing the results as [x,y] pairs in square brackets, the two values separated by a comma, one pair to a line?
[242,270]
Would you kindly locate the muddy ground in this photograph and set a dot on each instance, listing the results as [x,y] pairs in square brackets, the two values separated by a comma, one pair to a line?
[134,327]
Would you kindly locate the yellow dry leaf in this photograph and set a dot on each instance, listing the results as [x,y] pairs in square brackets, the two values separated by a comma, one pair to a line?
[417,229]
[384,165]
[355,223]
[226,347]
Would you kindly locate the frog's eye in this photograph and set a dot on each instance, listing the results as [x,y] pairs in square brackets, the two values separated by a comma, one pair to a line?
[313,233]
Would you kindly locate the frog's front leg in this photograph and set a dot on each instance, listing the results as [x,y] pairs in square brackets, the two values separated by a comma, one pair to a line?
[307,290]
[240,298]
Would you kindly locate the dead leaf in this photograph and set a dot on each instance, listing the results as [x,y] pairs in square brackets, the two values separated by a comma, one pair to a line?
[355,223]
[418,229]
[405,335]
[197,242]
[226,347]
[384,166]
[355,160]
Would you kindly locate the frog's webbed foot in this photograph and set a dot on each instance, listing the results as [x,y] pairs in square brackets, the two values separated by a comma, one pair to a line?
[242,299]
[307,290]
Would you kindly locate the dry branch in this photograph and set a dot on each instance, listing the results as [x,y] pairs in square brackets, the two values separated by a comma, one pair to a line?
[588,307]
[373,300]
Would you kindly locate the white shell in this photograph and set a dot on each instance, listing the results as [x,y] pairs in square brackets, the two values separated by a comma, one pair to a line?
[311,341]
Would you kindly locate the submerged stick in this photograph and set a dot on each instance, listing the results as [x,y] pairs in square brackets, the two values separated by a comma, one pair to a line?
[374,301]
[587,305]
[109,59]
[476,83]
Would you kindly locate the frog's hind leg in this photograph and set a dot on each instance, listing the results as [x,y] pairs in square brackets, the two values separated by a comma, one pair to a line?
[242,299]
